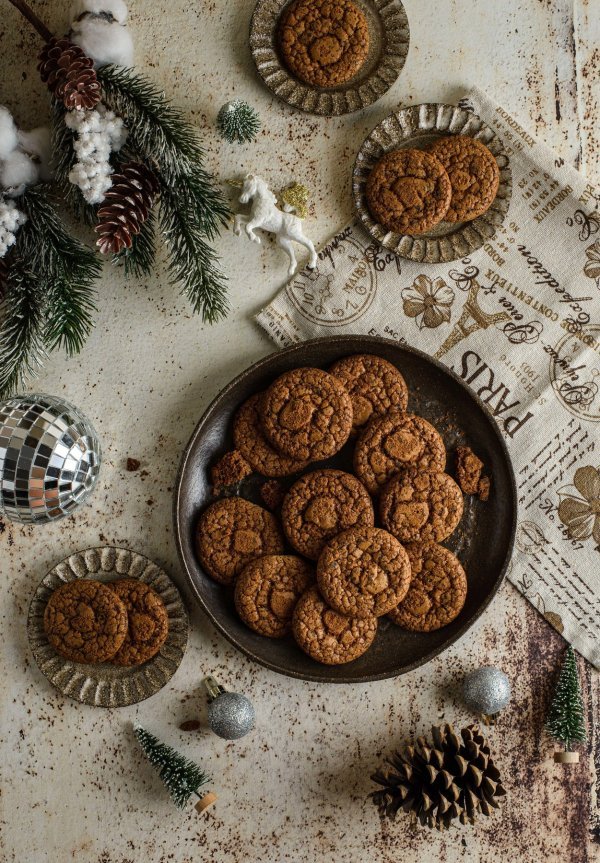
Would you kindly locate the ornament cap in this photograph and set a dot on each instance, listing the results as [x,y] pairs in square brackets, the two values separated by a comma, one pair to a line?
[566,757]
[213,688]
[206,801]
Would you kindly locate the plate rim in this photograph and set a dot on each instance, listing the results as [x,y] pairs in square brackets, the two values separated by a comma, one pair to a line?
[298,94]
[82,694]
[483,225]
[179,528]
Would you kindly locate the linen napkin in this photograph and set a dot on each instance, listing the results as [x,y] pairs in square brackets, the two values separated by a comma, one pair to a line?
[519,321]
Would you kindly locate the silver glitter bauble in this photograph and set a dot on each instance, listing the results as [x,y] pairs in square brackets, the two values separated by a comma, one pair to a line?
[486,690]
[49,458]
[230,715]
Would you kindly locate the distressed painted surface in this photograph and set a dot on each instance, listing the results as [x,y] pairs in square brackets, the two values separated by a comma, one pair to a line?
[75,787]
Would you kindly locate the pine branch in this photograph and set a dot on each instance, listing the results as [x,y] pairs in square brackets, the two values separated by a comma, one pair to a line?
[64,268]
[21,328]
[158,127]
[192,262]
[159,133]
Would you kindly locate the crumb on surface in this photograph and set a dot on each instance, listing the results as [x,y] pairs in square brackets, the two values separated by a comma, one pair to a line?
[133,464]
[468,469]
[230,469]
[272,493]
[483,488]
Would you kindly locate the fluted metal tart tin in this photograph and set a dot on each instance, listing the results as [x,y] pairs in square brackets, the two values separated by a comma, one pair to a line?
[389,38]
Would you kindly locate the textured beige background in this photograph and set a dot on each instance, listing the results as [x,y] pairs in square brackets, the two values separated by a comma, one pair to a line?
[74,784]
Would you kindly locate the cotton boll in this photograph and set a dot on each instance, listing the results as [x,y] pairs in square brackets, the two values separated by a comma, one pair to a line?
[117,8]
[103,41]
[17,172]
[37,143]
[8,133]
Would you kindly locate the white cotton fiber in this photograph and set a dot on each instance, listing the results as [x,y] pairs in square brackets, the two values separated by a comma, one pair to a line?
[103,40]
[8,133]
[16,172]
[37,143]
[117,8]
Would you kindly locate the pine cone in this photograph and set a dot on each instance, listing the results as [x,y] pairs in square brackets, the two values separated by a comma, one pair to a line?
[69,74]
[452,779]
[126,207]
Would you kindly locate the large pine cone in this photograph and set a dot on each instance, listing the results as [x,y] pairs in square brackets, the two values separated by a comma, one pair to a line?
[454,778]
[126,207]
[69,74]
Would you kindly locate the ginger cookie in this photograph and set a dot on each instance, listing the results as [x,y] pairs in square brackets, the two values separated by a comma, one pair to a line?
[85,621]
[473,173]
[437,591]
[420,506]
[231,533]
[394,442]
[327,636]
[374,385]
[322,504]
[267,590]
[363,572]
[253,445]
[323,42]
[408,191]
[147,621]
[307,414]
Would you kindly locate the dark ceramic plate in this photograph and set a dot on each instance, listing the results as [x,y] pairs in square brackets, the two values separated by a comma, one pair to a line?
[483,541]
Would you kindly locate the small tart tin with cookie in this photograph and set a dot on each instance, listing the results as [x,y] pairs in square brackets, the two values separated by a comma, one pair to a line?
[329,61]
[157,617]
[422,127]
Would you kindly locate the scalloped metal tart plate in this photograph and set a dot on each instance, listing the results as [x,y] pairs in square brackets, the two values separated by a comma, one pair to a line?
[418,126]
[388,46]
[106,685]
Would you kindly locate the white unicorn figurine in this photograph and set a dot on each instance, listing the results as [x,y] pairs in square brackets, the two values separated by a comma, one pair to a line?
[266,215]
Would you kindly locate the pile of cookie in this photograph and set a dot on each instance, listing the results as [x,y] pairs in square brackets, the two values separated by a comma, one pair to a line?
[347,571]
[123,622]
[411,191]
[324,43]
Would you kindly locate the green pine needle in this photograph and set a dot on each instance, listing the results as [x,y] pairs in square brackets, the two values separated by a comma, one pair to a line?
[21,328]
[565,720]
[64,267]
[192,262]
[237,121]
[181,776]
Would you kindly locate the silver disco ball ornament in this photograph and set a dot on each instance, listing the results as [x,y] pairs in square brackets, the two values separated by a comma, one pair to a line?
[49,458]
[486,690]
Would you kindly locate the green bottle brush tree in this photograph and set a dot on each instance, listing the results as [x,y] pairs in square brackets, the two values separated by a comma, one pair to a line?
[565,721]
